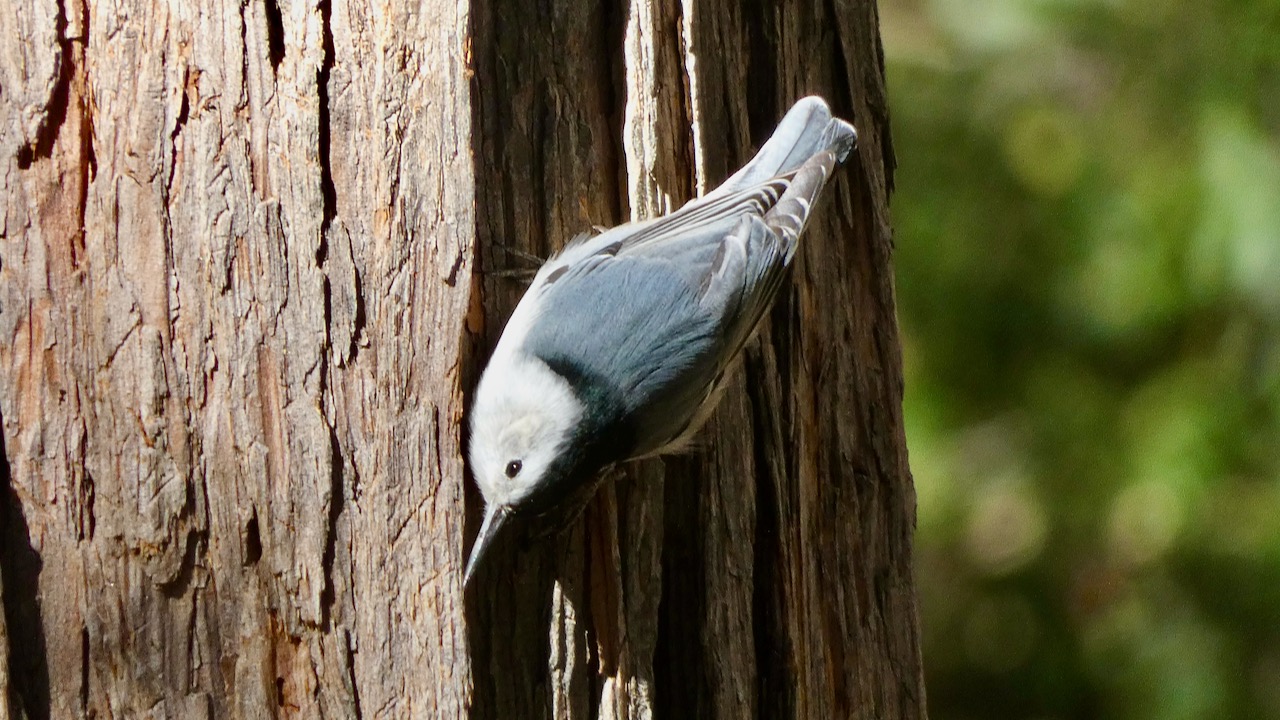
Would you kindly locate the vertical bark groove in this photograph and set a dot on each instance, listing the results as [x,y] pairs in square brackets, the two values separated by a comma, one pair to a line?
[26,669]
[55,111]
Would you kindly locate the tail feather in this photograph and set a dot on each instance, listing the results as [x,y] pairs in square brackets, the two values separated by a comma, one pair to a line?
[807,129]
[778,186]
[788,216]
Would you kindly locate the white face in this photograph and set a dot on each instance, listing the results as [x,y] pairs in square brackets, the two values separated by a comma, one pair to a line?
[522,419]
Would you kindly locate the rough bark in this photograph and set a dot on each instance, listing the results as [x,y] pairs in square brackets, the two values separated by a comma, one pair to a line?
[247,276]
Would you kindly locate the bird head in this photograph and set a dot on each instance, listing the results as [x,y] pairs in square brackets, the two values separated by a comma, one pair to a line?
[524,424]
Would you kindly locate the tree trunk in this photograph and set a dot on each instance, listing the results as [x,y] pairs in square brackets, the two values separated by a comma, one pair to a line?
[247,257]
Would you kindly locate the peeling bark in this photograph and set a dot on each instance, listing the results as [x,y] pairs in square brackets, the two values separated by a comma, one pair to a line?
[247,258]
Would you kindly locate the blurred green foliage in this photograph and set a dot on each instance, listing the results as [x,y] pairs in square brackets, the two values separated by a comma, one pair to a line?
[1088,256]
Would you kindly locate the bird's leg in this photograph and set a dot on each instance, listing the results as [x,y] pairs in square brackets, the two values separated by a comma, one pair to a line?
[524,255]
[524,274]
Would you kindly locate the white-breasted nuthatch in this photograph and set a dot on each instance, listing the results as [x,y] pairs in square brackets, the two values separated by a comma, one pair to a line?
[620,347]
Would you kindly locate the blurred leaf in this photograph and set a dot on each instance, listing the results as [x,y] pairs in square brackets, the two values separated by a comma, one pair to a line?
[1088,255]
[1240,232]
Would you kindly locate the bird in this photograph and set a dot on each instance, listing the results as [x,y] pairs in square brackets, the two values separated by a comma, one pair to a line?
[620,347]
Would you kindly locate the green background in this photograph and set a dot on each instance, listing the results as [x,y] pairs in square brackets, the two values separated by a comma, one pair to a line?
[1087,221]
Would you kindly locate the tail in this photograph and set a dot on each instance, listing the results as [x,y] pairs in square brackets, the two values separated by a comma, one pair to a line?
[806,130]
[788,216]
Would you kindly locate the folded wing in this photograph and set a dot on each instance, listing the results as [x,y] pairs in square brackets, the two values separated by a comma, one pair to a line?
[658,309]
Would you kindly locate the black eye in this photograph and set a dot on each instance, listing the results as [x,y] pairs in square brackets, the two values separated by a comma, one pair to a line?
[513,468]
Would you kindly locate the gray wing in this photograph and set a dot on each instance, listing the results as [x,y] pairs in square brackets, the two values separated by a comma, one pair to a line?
[807,130]
[658,309]
[634,329]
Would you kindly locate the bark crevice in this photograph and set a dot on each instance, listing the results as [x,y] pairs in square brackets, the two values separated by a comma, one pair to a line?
[55,112]
[774,662]
[337,504]
[275,33]
[20,567]
[325,109]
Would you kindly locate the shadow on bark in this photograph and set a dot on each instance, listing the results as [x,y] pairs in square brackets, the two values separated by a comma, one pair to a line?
[679,660]
[20,567]
[509,621]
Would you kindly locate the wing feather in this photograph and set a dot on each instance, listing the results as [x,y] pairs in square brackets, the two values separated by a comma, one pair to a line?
[660,308]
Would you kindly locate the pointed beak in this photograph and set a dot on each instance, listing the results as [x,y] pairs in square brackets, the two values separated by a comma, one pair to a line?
[495,516]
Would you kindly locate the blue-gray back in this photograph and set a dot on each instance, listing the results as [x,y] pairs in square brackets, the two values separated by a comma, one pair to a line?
[650,313]
[654,326]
